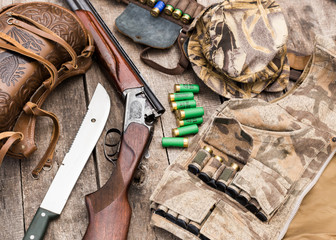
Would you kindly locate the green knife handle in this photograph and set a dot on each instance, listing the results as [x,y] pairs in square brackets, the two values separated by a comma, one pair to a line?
[38,226]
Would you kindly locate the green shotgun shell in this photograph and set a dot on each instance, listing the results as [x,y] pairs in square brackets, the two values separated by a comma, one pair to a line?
[168,9]
[181,131]
[175,142]
[186,88]
[183,104]
[190,113]
[155,12]
[189,121]
[201,158]
[180,96]
[185,18]
[177,13]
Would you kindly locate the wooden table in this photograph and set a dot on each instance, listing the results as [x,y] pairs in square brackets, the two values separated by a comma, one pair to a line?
[20,194]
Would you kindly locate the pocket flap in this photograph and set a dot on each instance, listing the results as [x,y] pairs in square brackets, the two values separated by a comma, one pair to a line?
[138,24]
[227,136]
[226,222]
[185,194]
[263,184]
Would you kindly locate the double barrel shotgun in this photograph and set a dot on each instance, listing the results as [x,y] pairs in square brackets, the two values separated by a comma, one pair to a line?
[109,209]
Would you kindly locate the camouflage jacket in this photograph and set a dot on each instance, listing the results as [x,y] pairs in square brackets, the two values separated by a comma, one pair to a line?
[281,147]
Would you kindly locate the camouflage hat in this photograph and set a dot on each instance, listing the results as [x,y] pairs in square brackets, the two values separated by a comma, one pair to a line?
[237,47]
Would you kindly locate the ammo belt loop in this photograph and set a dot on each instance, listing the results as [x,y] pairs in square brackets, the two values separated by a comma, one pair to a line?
[181,65]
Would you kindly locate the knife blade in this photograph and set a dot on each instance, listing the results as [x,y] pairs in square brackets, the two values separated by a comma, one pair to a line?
[72,164]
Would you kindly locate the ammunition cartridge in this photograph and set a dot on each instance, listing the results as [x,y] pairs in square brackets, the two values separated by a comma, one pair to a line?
[186,130]
[170,7]
[182,104]
[232,190]
[175,142]
[168,10]
[189,12]
[193,227]
[151,3]
[171,216]
[161,210]
[190,113]
[212,182]
[177,13]
[261,215]
[180,8]
[143,1]
[189,121]
[185,18]
[158,8]
[186,87]
[201,158]
[182,221]
[180,96]
[253,206]
[243,198]
[210,168]
[226,177]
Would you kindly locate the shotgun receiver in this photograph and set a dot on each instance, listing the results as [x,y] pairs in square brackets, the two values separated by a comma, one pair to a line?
[109,209]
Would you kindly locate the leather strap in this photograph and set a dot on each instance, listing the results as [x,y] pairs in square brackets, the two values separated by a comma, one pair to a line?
[27,119]
[46,161]
[12,137]
[181,65]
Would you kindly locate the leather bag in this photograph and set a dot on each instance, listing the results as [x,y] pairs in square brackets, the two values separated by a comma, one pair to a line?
[41,44]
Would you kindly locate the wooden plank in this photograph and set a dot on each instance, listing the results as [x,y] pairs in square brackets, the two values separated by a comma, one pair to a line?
[20,196]
[11,209]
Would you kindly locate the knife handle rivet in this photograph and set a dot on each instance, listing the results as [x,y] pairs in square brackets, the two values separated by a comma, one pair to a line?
[32,237]
[43,215]
[93,120]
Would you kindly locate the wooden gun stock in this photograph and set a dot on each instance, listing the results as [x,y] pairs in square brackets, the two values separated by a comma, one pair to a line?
[109,209]
[117,67]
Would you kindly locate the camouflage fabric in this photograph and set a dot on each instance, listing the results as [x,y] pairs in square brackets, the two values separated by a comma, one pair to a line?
[281,147]
[238,48]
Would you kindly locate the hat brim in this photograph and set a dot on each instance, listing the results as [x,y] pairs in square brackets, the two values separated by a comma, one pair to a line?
[271,79]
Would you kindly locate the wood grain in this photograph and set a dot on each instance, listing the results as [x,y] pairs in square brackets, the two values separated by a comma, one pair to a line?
[20,195]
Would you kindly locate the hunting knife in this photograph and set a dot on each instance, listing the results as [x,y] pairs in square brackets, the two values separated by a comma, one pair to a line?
[72,165]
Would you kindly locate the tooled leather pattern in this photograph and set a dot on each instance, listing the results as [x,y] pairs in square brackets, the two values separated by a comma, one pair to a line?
[11,68]
[60,21]
[27,40]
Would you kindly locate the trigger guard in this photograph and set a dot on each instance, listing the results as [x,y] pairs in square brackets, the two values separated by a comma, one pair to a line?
[109,156]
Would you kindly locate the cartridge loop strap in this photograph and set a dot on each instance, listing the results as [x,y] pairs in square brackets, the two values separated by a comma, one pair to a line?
[181,65]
